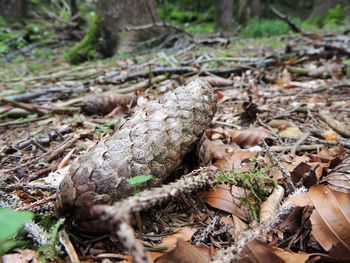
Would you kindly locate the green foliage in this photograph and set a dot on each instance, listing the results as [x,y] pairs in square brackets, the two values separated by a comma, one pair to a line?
[265,28]
[86,48]
[333,17]
[255,180]
[10,222]
[192,18]
[49,250]
[139,179]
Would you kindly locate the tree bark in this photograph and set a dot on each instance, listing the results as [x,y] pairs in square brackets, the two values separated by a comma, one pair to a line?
[12,9]
[116,16]
[225,11]
[249,9]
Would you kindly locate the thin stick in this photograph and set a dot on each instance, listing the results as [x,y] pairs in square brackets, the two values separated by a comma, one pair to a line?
[298,143]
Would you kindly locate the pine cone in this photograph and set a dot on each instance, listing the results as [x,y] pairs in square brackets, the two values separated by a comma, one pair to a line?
[152,142]
[106,102]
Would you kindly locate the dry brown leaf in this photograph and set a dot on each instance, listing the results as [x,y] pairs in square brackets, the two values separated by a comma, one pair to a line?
[280,124]
[291,133]
[330,69]
[221,198]
[330,135]
[330,219]
[339,178]
[270,205]
[231,161]
[257,252]
[249,137]
[22,256]
[218,81]
[184,233]
[291,257]
[237,225]
[184,253]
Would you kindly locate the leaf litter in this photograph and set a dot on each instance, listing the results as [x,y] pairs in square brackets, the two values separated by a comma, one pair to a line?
[263,113]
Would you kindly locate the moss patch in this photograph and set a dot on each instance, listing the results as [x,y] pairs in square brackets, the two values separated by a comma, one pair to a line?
[86,48]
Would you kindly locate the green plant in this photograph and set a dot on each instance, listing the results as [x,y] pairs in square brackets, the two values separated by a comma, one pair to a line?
[49,250]
[10,222]
[86,48]
[257,184]
[139,179]
[265,28]
[333,16]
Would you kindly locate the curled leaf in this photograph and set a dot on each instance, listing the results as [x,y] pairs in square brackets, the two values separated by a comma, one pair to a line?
[221,198]
[270,205]
[330,219]
[249,137]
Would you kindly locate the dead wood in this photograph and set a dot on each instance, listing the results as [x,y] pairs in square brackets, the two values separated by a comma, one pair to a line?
[285,18]
[152,142]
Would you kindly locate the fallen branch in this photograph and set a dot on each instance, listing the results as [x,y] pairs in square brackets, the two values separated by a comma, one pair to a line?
[334,124]
[121,211]
[285,18]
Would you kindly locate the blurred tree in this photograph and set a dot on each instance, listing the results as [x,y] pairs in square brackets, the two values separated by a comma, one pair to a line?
[12,9]
[321,6]
[119,20]
[225,12]
[249,9]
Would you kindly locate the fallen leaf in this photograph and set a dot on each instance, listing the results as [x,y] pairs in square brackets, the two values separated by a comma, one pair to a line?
[330,219]
[249,137]
[279,124]
[184,253]
[339,178]
[184,233]
[291,257]
[330,135]
[291,133]
[220,197]
[22,256]
[231,161]
[218,81]
[257,252]
[270,205]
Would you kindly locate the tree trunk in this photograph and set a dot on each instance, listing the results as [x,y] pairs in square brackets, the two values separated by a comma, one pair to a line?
[321,6]
[12,9]
[248,9]
[116,16]
[225,11]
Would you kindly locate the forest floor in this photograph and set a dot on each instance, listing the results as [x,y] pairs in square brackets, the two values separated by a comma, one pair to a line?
[283,119]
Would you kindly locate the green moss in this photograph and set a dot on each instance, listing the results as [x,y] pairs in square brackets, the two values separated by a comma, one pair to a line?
[86,48]
[255,180]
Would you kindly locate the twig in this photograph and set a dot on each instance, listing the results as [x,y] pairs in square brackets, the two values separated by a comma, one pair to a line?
[118,215]
[24,106]
[298,143]
[24,121]
[120,211]
[126,236]
[65,241]
[59,150]
[285,174]
[157,24]
[209,229]
[334,124]
[303,147]
[141,85]
[341,142]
